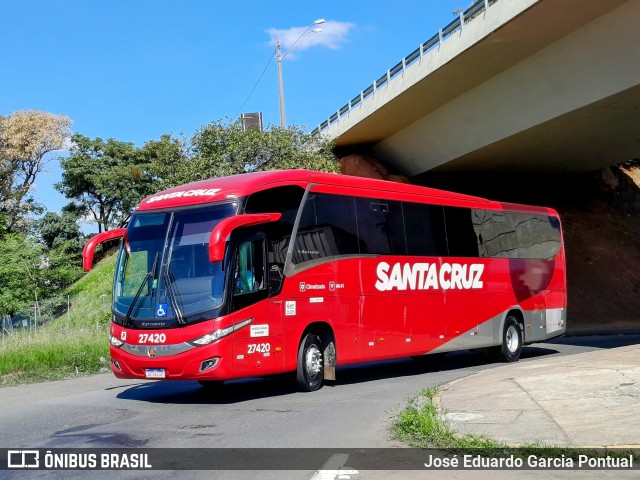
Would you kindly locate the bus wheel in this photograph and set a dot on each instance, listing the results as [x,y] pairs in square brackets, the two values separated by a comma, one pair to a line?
[310,373]
[511,340]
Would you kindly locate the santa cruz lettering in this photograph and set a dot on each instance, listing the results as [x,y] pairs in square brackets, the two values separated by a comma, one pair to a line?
[185,193]
[426,276]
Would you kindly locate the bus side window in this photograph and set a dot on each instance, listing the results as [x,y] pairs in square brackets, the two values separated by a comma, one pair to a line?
[327,228]
[495,232]
[538,236]
[424,229]
[249,274]
[462,239]
[380,226]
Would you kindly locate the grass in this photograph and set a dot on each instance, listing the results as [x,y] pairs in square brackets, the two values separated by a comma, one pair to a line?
[74,344]
[421,425]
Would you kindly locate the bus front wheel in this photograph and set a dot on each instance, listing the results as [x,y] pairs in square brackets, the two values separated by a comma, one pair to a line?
[511,340]
[310,372]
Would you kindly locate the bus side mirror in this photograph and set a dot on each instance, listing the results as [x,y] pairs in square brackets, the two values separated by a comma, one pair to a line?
[221,232]
[89,249]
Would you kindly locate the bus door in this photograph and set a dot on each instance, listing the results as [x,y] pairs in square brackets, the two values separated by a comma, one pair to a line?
[256,348]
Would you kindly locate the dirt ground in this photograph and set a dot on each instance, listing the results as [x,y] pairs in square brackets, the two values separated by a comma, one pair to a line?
[603,269]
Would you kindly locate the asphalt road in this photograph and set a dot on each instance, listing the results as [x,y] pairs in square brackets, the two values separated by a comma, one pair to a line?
[103,412]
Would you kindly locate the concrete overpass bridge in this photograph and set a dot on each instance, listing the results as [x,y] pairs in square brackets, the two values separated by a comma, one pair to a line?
[511,85]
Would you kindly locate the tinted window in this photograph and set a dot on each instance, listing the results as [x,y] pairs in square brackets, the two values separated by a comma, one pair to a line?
[380,226]
[285,200]
[495,232]
[327,228]
[461,235]
[538,235]
[424,229]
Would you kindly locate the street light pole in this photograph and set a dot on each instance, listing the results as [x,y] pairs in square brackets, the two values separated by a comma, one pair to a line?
[280,57]
[283,122]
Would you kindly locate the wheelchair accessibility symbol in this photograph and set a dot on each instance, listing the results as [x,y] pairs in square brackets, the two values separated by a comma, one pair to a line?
[161,310]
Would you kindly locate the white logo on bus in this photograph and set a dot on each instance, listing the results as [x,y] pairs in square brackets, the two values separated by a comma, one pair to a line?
[426,276]
[203,192]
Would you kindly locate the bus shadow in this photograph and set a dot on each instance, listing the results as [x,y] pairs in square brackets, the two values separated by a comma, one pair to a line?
[183,392]
[596,340]
[426,364]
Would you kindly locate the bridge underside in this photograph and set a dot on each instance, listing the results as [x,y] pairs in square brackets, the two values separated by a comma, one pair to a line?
[603,133]
[555,88]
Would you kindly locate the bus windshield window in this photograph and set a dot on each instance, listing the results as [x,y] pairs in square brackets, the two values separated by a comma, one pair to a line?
[180,241]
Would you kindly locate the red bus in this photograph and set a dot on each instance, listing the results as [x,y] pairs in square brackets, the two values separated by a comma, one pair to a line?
[299,271]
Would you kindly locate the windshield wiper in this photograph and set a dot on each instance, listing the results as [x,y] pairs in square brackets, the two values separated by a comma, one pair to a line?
[150,275]
[168,280]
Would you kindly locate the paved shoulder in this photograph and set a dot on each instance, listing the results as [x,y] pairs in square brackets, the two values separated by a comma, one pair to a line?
[578,400]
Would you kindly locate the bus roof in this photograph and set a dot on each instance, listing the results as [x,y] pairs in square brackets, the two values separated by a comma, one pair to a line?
[236,186]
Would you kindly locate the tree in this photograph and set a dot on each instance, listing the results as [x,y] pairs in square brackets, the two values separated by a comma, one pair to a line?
[55,229]
[25,138]
[21,261]
[221,149]
[63,240]
[168,159]
[105,179]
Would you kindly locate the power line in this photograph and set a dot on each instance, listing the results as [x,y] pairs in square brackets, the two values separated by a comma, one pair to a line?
[256,85]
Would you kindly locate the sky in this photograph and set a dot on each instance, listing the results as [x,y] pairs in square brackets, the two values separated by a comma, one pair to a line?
[136,69]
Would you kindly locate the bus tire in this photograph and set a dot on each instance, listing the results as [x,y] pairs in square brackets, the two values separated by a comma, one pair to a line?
[511,340]
[310,371]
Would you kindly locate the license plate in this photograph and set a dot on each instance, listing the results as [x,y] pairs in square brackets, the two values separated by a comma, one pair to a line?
[154,373]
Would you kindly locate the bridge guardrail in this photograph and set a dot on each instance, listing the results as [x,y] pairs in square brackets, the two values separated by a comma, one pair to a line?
[464,17]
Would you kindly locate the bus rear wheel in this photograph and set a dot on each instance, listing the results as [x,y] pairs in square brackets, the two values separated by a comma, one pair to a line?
[511,340]
[310,371]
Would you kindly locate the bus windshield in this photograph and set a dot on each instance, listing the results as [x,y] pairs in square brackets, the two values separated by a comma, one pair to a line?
[163,275]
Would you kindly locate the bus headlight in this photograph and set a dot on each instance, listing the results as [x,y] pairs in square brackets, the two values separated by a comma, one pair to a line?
[115,342]
[218,334]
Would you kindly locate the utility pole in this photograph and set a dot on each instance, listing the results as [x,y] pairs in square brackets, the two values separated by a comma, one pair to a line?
[283,122]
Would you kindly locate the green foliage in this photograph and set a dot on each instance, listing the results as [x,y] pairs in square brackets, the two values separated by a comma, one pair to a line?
[64,265]
[21,272]
[69,345]
[167,157]
[222,149]
[421,425]
[56,229]
[105,179]
[31,270]
[51,356]
[61,236]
